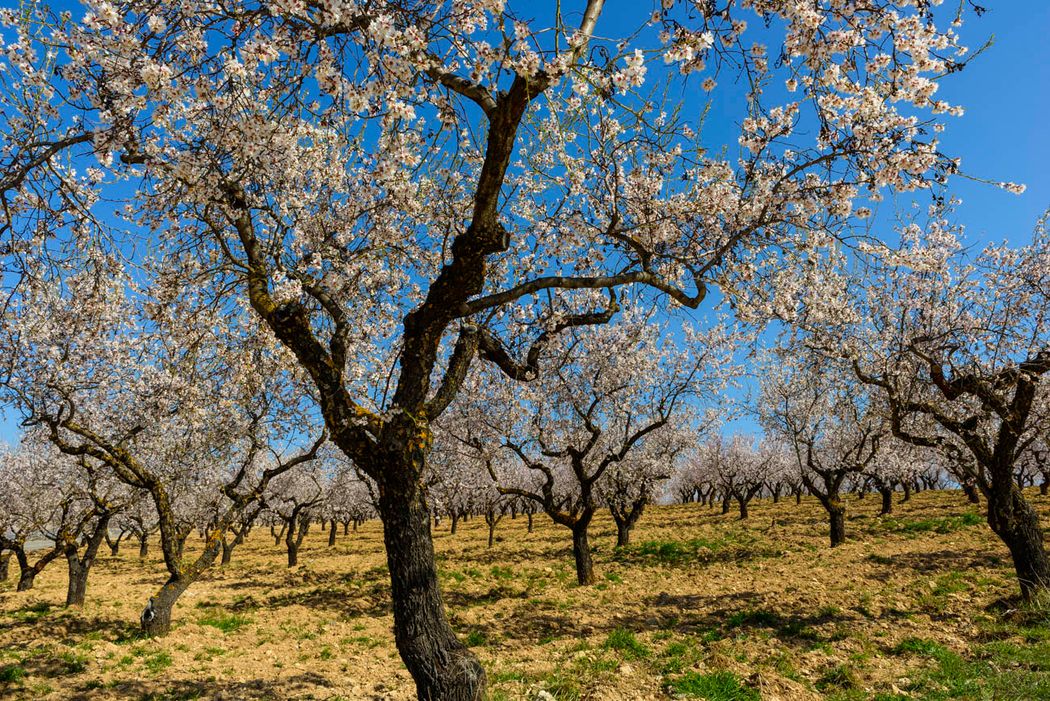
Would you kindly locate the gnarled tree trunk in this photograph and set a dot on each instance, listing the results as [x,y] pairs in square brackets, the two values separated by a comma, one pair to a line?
[80,566]
[581,551]
[442,667]
[887,501]
[1014,520]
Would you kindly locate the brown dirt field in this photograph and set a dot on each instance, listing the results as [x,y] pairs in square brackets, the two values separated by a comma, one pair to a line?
[701,605]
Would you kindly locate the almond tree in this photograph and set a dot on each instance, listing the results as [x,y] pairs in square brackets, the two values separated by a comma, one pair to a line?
[831,425]
[604,397]
[399,190]
[138,389]
[958,347]
[292,497]
[630,485]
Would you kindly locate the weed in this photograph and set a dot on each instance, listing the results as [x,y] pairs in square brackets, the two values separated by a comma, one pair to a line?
[502,572]
[625,642]
[838,677]
[716,686]
[11,674]
[226,622]
[157,662]
[475,638]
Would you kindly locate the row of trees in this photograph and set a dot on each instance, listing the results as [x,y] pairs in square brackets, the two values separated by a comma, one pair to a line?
[236,236]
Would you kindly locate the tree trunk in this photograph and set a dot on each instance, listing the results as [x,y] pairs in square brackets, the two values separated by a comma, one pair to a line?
[742,503]
[837,517]
[798,497]
[492,533]
[970,490]
[80,567]
[623,533]
[26,579]
[293,554]
[5,561]
[346,528]
[529,514]
[1044,486]
[331,533]
[455,523]
[726,501]
[442,667]
[143,546]
[76,591]
[581,551]
[162,605]
[907,493]
[887,501]
[227,552]
[1015,521]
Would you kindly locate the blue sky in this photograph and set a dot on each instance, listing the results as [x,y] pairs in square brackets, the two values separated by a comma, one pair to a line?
[1004,135]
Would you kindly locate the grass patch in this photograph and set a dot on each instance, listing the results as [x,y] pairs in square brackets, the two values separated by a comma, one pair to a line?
[625,642]
[475,638]
[736,545]
[73,663]
[838,678]
[157,662]
[716,686]
[946,524]
[11,674]
[226,622]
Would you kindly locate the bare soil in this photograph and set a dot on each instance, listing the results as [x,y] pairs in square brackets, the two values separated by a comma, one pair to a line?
[701,605]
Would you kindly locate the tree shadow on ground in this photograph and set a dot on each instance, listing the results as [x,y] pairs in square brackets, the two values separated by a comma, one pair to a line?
[46,621]
[253,690]
[937,561]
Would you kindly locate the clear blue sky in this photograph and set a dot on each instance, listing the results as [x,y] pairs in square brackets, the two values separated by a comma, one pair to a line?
[1004,135]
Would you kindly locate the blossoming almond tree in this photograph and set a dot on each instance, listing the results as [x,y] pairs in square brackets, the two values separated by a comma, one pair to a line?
[834,426]
[151,397]
[959,349]
[399,190]
[602,399]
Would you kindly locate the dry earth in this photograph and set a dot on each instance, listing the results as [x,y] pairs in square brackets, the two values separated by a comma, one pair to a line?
[701,606]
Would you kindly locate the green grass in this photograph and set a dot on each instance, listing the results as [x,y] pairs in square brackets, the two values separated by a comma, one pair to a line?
[226,622]
[716,686]
[33,612]
[1016,668]
[680,552]
[838,678]
[475,638]
[946,524]
[157,662]
[502,572]
[11,674]
[678,656]
[625,642]
[73,663]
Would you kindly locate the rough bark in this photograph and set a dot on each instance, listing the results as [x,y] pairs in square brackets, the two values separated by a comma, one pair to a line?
[581,551]
[80,565]
[1014,520]
[163,603]
[5,561]
[442,667]
[331,533]
[887,501]
[837,521]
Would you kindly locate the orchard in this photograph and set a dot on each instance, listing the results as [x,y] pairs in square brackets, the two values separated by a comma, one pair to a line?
[390,314]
